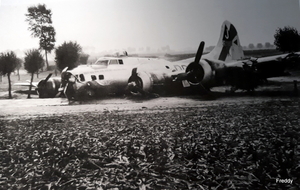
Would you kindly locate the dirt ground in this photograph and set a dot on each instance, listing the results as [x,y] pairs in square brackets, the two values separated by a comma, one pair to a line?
[278,88]
[11,108]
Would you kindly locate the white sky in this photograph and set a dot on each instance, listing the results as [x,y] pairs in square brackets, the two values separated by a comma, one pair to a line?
[102,25]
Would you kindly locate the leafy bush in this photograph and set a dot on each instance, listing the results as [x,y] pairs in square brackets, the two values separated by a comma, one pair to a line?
[287,39]
[67,55]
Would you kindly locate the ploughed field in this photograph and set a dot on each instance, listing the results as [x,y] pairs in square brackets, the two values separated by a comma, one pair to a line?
[233,146]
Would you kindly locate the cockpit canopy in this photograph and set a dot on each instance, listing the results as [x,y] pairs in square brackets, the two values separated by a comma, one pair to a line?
[106,62]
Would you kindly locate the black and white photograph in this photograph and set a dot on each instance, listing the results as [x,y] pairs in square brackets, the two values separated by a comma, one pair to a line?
[149,94]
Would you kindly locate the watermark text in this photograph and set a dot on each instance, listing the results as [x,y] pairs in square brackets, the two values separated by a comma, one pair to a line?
[278,180]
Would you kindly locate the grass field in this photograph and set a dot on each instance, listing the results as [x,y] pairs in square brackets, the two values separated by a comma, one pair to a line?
[228,146]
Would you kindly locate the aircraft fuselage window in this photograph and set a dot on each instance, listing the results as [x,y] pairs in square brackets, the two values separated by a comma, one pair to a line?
[93,77]
[101,77]
[120,61]
[113,62]
[81,76]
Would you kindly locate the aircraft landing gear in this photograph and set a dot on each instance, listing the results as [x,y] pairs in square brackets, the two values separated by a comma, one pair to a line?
[135,87]
[90,93]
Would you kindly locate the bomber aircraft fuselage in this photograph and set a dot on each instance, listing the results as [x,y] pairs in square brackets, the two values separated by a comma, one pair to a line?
[110,75]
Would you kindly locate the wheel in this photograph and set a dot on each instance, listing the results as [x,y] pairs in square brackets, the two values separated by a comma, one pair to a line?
[137,85]
[90,93]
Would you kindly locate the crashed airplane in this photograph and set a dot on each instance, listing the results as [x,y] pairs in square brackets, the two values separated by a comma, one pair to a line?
[224,65]
[120,75]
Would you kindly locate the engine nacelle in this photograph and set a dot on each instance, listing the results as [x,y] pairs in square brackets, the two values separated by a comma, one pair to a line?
[140,82]
[91,90]
[49,88]
[200,73]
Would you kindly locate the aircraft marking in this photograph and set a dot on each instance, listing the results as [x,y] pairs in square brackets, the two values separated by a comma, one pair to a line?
[226,35]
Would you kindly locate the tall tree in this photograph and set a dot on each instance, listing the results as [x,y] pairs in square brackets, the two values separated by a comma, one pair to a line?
[287,39]
[67,55]
[8,63]
[33,62]
[40,24]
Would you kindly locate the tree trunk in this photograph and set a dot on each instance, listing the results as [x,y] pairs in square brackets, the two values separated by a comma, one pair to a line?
[47,60]
[32,74]
[18,74]
[9,86]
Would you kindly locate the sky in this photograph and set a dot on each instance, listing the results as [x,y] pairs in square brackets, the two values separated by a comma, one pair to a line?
[138,25]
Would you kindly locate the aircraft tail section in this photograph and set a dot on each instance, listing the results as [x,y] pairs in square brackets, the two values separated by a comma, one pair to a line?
[228,47]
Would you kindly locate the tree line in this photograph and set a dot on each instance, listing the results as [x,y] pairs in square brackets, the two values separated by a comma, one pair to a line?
[69,54]
[286,39]
[40,24]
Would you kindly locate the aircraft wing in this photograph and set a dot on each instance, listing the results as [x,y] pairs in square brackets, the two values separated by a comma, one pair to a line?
[34,84]
[248,74]
[271,66]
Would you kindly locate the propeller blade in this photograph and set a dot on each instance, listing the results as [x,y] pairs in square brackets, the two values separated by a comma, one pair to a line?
[43,82]
[199,52]
[65,69]
[181,76]
[134,72]
[48,77]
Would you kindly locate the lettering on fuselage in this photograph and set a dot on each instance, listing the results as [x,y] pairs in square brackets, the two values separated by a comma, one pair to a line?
[180,67]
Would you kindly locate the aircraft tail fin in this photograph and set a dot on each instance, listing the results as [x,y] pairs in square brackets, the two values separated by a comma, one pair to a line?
[228,47]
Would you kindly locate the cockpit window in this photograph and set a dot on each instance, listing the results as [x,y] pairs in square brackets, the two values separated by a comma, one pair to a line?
[120,61]
[93,77]
[102,62]
[113,62]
